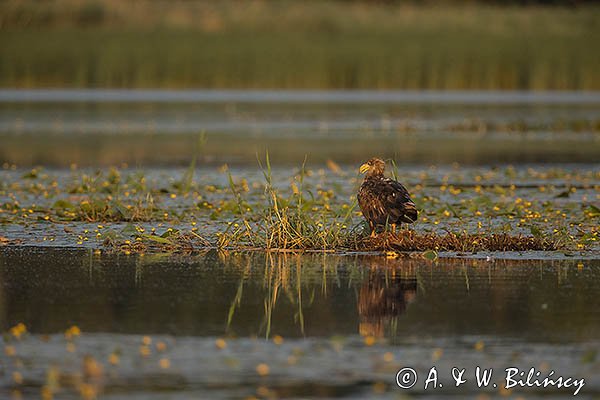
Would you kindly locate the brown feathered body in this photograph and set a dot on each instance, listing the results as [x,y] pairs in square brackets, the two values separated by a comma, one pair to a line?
[384,201]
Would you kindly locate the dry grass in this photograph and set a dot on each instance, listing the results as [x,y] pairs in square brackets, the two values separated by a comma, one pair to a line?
[405,241]
[408,240]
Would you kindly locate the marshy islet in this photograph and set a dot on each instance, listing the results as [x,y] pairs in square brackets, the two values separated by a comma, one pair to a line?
[462,209]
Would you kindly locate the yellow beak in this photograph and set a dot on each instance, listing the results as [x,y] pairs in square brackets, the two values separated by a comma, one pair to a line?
[364,168]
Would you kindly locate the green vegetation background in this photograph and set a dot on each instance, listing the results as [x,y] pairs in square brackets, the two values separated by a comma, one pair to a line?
[296,44]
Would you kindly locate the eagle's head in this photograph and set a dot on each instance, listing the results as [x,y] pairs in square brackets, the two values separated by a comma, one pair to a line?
[373,167]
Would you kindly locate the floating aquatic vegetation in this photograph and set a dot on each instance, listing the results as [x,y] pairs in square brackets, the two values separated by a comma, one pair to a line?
[461,209]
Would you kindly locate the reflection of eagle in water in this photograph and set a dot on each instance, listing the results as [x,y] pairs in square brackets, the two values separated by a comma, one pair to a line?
[382,200]
[381,300]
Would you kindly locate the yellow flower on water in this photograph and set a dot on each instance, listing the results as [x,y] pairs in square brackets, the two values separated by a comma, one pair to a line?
[114,359]
[164,363]
[161,346]
[144,351]
[88,391]
[72,332]
[277,340]
[10,351]
[262,369]
[17,377]
[18,330]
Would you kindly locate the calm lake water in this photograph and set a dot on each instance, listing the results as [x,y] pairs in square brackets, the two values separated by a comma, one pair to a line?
[318,326]
[104,127]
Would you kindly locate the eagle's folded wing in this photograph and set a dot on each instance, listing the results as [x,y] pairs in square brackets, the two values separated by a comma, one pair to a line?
[398,204]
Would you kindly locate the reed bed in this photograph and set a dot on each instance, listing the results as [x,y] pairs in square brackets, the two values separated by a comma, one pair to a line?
[104,43]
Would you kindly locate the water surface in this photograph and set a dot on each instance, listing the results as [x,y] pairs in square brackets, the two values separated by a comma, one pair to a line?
[146,127]
[241,325]
[325,326]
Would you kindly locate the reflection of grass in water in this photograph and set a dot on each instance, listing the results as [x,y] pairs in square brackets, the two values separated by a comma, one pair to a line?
[281,277]
[329,45]
[384,286]
[292,276]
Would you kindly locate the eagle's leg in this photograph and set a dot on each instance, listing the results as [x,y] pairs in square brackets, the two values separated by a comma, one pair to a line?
[394,229]
[372,226]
